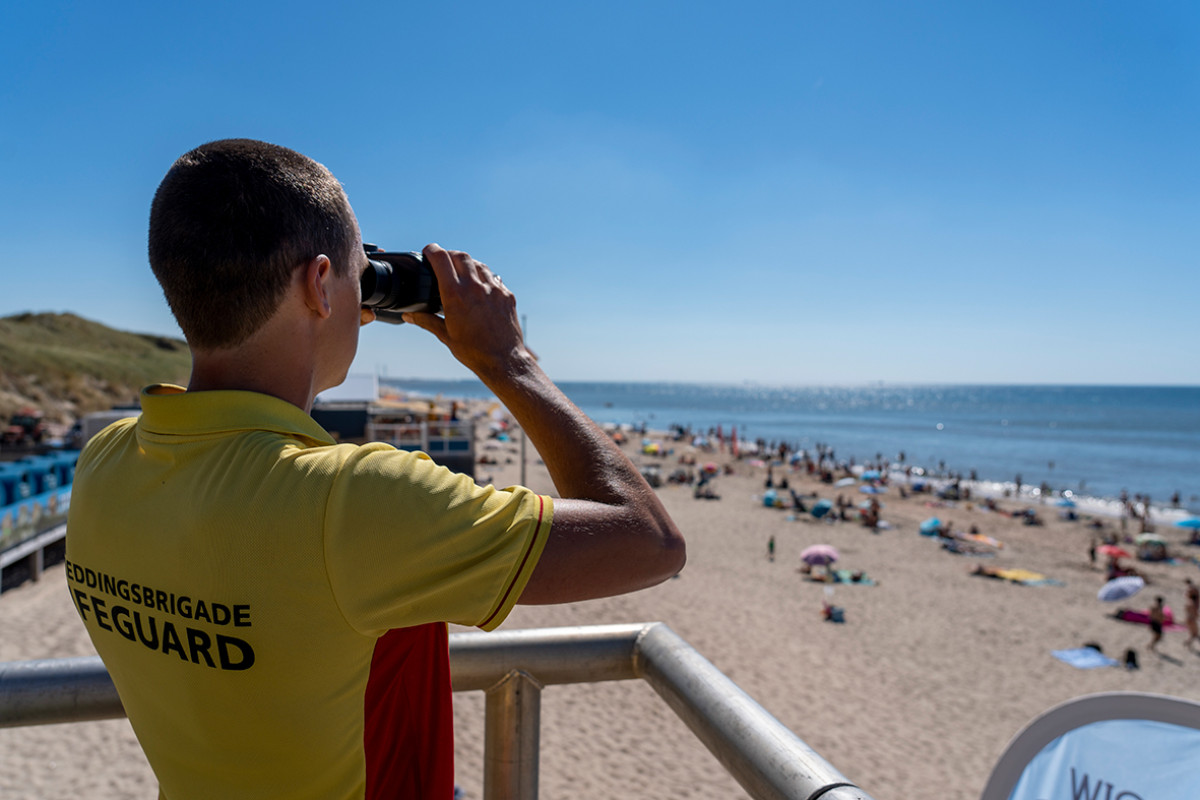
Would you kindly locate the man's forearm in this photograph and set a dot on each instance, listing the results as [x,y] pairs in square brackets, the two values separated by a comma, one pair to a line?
[582,460]
[610,534]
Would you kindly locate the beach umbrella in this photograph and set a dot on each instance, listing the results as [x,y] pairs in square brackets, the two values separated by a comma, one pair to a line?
[931,526]
[1120,588]
[819,554]
[868,489]
[710,468]
[1149,538]
[870,475]
[1112,551]
[1065,502]
[821,508]
[845,482]
[1190,522]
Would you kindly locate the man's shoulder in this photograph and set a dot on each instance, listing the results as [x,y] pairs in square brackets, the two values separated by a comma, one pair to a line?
[106,439]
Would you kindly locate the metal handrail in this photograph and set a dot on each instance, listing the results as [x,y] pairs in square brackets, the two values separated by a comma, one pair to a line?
[511,668]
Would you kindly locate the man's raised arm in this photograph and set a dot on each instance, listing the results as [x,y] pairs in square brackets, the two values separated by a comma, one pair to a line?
[610,533]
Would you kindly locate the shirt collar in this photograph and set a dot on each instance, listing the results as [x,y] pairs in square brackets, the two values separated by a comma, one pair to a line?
[172,410]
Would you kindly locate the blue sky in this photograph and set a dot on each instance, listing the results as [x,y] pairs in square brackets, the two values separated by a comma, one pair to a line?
[784,193]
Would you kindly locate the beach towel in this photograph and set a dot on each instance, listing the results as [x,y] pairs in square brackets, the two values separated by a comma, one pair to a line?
[1141,616]
[1042,581]
[1027,578]
[847,576]
[1019,575]
[965,549]
[1084,658]
[979,538]
[1023,577]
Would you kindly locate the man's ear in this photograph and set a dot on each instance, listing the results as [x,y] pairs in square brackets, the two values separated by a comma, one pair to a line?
[317,275]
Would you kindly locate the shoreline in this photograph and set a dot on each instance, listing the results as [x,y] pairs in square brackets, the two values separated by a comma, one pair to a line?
[996,479]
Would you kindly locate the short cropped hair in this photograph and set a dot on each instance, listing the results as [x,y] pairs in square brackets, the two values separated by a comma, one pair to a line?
[230,223]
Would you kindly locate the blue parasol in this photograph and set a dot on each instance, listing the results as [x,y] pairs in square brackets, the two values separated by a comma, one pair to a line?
[1120,588]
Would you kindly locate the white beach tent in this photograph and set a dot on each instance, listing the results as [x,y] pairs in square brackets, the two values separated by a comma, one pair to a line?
[1112,746]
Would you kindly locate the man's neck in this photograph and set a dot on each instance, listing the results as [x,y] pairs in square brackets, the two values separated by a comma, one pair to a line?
[209,378]
[266,364]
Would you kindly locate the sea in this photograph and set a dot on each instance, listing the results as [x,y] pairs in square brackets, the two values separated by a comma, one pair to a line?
[1092,442]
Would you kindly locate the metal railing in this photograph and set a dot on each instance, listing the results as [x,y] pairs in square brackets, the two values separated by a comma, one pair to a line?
[511,668]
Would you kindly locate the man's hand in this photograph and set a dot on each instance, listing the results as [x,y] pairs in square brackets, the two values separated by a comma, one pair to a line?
[480,327]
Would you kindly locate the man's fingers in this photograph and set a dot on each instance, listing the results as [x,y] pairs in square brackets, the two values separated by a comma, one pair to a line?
[430,322]
[441,262]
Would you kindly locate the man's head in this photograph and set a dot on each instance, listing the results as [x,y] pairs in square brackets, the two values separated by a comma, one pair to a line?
[230,223]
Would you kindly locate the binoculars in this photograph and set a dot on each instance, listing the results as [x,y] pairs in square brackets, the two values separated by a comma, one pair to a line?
[394,283]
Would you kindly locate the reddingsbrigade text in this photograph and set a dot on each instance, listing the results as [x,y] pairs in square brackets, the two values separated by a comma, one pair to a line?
[136,612]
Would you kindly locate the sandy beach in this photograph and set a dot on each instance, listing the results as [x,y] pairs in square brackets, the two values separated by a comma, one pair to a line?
[916,694]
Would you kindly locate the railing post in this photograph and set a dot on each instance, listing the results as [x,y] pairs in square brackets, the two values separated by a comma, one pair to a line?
[512,728]
[37,564]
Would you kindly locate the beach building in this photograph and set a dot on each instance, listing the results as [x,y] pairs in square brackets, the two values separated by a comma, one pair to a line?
[447,440]
[357,412]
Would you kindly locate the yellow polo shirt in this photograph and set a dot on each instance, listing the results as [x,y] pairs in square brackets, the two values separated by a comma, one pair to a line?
[236,570]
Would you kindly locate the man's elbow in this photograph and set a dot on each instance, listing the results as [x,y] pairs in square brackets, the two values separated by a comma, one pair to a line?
[670,554]
[676,555]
